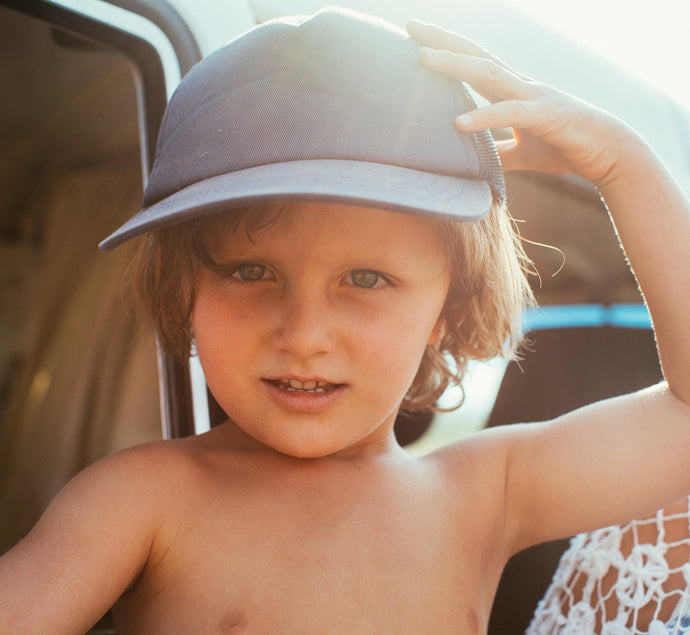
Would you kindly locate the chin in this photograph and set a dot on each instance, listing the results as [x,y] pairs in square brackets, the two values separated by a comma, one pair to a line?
[308,450]
[313,448]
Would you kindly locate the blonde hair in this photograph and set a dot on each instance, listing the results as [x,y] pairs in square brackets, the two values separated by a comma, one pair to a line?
[482,312]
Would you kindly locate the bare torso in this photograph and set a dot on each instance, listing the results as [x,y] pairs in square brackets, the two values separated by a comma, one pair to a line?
[265,543]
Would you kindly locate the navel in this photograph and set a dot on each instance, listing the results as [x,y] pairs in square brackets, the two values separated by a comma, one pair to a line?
[236,622]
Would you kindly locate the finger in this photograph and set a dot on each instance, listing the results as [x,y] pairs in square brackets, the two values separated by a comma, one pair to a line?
[488,78]
[435,37]
[504,114]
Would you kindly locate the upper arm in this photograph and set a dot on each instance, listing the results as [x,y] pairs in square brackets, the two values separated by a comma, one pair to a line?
[596,466]
[87,548]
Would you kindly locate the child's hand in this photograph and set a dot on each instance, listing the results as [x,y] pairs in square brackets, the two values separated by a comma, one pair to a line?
[554,132]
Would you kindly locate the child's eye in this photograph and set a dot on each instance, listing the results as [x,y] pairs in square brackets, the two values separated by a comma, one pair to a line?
[250,272]
[367,279]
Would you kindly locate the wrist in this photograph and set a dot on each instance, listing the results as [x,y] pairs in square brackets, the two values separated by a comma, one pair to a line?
[632,159]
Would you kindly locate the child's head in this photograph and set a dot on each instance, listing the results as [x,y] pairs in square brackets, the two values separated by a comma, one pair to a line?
[333,108]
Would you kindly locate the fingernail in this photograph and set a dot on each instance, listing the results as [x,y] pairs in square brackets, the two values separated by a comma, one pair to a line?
[416,23]
[463,120]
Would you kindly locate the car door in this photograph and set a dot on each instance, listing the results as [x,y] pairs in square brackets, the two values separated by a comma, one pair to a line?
[86,84]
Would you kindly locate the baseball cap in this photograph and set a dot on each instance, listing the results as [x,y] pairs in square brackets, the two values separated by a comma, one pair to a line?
[336,107]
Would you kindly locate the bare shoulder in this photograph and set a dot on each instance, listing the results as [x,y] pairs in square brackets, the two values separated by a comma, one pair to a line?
[139,474]
[119,487]
[95,539]
[475,467]
[481,452]
[159,465]
[151,483]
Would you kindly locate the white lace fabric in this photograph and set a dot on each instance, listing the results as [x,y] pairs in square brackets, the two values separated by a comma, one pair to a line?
[631,579]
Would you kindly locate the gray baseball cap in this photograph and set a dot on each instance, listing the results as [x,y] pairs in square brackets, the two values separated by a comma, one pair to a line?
[334,107]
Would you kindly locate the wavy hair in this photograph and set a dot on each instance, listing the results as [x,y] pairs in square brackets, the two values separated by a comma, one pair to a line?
[482,312]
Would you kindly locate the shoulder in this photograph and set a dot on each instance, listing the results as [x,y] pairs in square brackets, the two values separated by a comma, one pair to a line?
[480,452]
[118,490]
[149,471]
[95,539]
[475,468]
[134,492]
[140,467]
[125,503]
[166,475]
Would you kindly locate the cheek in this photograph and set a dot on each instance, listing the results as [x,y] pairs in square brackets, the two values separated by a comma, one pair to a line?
[216,326]
[395,347]
[218,312]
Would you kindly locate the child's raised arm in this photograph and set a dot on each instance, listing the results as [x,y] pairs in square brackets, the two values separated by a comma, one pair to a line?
[626,456]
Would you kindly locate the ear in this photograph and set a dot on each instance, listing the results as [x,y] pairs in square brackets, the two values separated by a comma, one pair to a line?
[437,332]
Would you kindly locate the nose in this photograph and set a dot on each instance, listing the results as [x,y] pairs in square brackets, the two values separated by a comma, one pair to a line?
[305,325]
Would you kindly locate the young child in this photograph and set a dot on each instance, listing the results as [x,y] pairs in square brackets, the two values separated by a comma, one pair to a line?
[323,232]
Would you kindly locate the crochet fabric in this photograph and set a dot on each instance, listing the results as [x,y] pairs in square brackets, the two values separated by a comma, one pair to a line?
[624,580]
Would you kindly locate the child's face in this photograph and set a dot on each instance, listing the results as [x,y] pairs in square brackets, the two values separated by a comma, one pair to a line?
[312,329]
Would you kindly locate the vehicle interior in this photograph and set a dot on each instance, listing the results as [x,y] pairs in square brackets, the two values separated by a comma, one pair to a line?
[79,374]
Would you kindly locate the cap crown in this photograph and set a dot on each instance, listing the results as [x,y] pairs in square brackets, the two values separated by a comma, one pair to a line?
[336,86]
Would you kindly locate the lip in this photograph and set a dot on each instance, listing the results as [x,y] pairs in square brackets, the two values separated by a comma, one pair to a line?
[303,401]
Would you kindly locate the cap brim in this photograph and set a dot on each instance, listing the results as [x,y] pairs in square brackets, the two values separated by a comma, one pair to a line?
[353,182]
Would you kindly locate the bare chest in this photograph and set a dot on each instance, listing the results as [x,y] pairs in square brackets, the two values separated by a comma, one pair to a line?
[314,560]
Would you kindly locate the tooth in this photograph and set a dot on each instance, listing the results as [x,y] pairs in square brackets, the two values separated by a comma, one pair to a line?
[312,385]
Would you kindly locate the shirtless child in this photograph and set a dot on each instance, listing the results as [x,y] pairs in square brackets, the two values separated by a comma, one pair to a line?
[323,229]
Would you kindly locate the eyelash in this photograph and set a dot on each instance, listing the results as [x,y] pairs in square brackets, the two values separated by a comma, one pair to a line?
[379,277]
[235,272]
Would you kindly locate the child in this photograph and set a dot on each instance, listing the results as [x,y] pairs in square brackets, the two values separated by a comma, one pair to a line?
[322,233]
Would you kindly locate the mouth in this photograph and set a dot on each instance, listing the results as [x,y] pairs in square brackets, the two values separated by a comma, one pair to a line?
[309,386]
